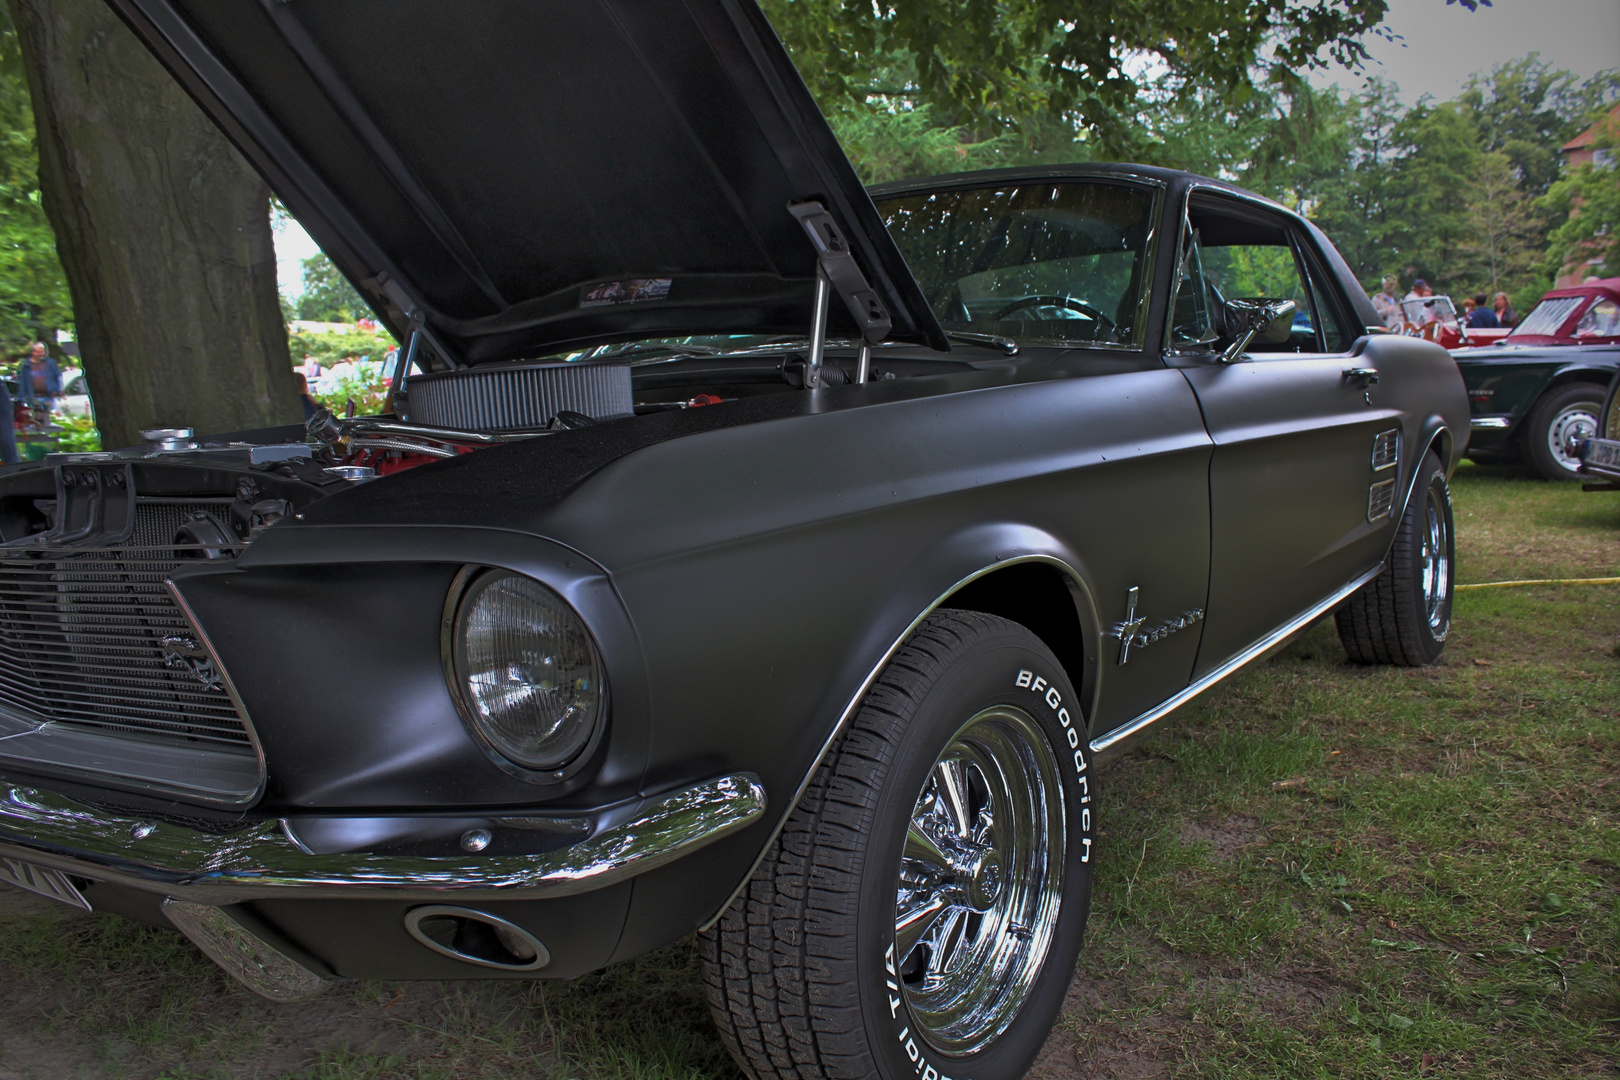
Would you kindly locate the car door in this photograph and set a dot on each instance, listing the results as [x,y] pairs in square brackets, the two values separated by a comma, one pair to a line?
[1303,479]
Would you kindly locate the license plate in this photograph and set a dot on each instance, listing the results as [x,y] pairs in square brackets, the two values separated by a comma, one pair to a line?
[1603,452]
[42,881]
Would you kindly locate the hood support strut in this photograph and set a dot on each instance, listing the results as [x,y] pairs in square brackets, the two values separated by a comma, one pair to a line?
[838,270]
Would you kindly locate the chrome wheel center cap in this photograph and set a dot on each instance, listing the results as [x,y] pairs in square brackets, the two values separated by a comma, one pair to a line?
[984,882]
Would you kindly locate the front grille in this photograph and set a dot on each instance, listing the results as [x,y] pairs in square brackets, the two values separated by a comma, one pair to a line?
[84,632]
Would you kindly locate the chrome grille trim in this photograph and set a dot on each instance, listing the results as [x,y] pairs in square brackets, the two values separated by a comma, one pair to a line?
[106,673]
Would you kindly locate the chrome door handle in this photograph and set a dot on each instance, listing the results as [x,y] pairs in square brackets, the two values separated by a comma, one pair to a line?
[1365,375]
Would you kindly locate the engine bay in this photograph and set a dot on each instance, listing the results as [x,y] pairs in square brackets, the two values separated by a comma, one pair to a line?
[251,480]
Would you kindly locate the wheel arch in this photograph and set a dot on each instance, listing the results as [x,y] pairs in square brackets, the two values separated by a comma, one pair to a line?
[1045,597]
[1018,572]
[1437,436]
[1574,373]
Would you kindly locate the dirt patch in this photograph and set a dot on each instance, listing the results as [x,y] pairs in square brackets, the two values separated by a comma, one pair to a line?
[1225,838]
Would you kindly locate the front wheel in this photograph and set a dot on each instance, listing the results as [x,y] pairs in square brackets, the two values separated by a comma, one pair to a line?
[1562,420]
[1403,615]
[921,912]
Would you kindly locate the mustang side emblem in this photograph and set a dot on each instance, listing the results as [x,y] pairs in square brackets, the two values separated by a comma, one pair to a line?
[184,654]
[1130,632]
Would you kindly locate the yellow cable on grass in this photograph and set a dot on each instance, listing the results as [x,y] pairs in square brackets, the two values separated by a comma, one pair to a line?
[1551,581]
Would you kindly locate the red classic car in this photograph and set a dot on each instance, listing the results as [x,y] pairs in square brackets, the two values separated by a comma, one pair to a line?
[1585,314]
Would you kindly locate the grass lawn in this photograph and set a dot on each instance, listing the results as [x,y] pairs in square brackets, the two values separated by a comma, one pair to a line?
[1319,870]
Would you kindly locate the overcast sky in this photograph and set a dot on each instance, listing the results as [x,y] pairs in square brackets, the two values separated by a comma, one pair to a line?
[1440,46]
[1444,44]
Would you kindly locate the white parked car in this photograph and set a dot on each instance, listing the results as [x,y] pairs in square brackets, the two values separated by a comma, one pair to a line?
[75,399]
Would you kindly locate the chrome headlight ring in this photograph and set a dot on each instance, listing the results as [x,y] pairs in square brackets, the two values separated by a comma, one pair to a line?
[525,674]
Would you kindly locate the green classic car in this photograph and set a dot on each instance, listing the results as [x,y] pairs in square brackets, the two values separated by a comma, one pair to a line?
[1536,396]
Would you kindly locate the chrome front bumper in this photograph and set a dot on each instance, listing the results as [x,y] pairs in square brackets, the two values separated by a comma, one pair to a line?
[269,860]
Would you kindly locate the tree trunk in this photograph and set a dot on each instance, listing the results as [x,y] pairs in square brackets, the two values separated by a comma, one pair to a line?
[163,231]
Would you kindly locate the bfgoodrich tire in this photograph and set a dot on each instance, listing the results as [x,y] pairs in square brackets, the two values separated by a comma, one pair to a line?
[1562,420]
[920,915]
[1403,615]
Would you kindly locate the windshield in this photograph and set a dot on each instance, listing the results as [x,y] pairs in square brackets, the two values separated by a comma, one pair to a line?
[1547,316]
[1062,262]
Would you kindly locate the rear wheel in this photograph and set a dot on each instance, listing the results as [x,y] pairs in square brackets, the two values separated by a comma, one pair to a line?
[1403,615]
[921,912]
[1563,419]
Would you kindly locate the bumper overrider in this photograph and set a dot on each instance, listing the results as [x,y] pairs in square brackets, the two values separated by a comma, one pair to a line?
[200,873]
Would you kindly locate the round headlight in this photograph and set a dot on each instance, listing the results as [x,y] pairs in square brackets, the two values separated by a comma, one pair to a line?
[527,669]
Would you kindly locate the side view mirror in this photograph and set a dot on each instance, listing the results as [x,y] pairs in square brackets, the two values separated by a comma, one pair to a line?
[1269,321]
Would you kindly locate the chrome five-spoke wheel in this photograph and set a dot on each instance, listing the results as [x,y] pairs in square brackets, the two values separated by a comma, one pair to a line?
[980,880]
[1435,559]
[920,915]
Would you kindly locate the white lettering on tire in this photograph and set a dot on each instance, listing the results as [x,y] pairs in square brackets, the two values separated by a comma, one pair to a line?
[908,1044]
[1028,680]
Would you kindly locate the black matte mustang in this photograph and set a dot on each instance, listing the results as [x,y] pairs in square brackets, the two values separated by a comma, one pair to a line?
[744,552]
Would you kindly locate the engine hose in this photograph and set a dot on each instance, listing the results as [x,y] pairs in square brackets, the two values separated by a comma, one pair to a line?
[403,445]
[1548,581]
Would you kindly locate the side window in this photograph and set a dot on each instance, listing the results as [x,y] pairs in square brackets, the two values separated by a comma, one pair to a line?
[1330,317]
[1269,270]
[1234,251]
[1602,319]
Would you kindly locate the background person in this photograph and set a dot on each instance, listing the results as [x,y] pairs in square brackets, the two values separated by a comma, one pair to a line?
[39,383]
[1505,315]
[1422,318]
[1482,317]
[1387,302]
[310,404]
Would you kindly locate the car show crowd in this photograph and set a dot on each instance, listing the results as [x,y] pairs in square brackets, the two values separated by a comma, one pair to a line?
[1421,312]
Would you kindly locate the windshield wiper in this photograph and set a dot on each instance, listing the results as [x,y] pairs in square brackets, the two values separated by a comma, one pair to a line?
[652,348]
[1005,344]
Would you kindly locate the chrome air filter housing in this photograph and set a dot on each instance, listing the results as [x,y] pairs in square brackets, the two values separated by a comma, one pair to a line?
[520,396]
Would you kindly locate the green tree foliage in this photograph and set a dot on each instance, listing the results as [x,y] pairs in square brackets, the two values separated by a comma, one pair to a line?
[331,349]
[1528,110]
[33,292]
[988,66]
[1507,235]
[1452,191]
[327,295]
[1587,200]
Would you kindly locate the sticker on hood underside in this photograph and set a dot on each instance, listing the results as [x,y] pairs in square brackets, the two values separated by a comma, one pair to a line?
[634,291]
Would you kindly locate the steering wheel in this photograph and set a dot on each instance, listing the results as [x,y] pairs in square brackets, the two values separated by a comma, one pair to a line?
[1105,325]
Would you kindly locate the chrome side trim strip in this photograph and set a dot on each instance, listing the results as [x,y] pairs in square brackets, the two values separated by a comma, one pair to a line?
[246,957]
[866,684]
[1277,636]
[262,861]
[1490,423]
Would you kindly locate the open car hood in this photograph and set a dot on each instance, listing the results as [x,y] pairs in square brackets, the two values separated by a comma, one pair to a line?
[522,177]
